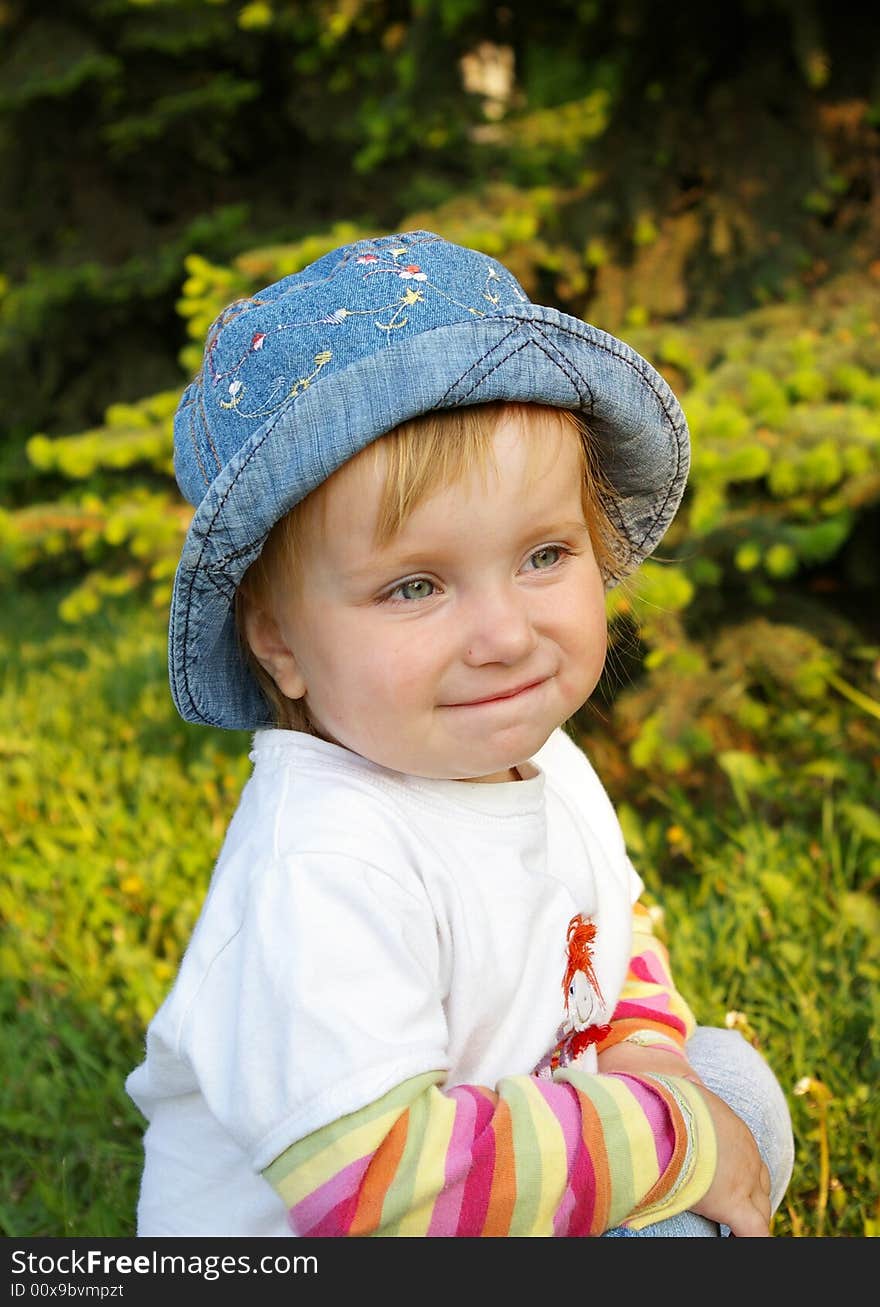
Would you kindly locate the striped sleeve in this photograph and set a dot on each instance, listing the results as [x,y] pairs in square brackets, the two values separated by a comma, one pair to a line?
[650,1009]
[572,1156]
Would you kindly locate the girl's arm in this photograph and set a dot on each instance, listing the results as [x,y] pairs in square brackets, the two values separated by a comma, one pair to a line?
[650,1010]
[571,1156]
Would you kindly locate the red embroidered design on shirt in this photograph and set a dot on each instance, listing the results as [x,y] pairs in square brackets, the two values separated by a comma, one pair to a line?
[584,1003]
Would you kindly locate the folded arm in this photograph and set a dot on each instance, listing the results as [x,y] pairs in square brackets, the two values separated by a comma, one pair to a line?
[572,1156]
[650,1010]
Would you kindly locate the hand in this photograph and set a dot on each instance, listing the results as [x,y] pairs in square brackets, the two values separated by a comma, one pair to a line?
[739,1195]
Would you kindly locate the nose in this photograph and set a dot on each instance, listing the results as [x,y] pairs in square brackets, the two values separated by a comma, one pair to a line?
[497,627]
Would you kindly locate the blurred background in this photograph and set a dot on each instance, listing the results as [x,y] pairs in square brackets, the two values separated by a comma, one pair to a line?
[702,180]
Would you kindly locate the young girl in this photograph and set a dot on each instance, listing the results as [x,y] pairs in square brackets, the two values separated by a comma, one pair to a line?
[423,996]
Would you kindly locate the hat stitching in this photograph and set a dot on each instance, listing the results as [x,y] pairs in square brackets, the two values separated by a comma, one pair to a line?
[252,547]
[227,592]
[237,389]
[661,512]
[574,377]
[624,358]
[677,446]
[207,427]
[565,366]
[194,442]
[482,377]
[228,315]
[186,661]
[585,394]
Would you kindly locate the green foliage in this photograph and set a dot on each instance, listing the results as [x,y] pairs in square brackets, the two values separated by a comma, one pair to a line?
[796,380]
[102,878]
[702,165]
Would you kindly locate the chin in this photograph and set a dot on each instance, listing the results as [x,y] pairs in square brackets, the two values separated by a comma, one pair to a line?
[514,758]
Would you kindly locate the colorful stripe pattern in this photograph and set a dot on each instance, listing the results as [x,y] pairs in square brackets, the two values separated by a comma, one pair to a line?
[650,1009]
[572,1156]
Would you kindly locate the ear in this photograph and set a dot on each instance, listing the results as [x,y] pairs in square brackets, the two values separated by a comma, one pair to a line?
[272,651]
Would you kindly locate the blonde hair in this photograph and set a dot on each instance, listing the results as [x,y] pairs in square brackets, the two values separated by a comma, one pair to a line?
[428,452]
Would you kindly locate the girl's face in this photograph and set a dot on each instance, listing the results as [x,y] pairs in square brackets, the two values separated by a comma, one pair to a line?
[456,649]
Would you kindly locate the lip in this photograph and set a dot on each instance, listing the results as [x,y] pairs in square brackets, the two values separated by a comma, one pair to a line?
[500,698]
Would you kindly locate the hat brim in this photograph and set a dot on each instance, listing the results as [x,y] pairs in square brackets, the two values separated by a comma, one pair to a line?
[531,354]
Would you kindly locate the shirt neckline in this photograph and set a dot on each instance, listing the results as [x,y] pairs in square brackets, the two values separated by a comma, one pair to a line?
[491,799]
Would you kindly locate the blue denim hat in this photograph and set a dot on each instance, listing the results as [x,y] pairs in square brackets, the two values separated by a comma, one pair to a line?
[298,378]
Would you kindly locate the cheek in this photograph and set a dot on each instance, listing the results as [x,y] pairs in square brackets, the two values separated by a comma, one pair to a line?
[410,657]
[600,635]
[362,673]
[589,654]
[598,641]
[586,635]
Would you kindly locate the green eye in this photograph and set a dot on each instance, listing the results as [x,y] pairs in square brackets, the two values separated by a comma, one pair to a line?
[418,588]
[545,557]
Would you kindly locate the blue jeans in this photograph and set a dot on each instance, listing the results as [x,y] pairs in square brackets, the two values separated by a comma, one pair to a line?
[736,1072]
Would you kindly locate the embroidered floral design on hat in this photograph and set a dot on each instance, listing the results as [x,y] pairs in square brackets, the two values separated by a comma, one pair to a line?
[376,265]
[388,315]
[237,389]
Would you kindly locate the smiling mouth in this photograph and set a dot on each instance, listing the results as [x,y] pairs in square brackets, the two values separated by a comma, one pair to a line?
[498,698]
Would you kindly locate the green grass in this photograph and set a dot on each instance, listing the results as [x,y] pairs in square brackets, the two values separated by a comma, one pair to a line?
[72,1136]
[778,935]
[768,892]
